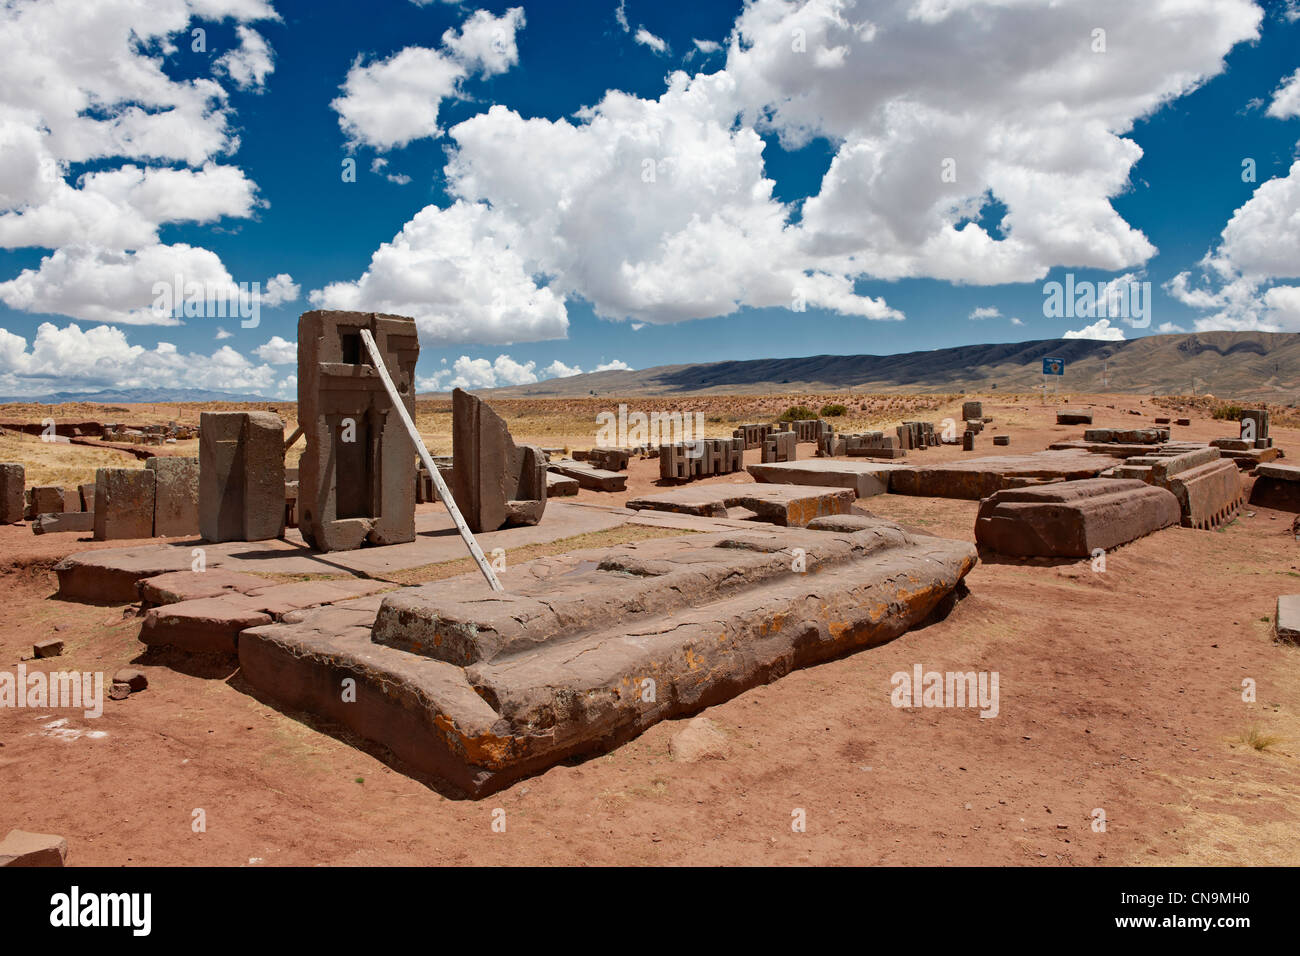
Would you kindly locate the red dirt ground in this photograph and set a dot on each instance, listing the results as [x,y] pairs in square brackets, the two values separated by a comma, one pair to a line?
[1120,690]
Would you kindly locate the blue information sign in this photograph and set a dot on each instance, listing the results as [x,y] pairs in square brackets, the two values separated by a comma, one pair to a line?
[1053,366]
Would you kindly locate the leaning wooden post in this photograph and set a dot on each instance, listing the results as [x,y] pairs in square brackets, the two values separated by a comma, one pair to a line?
[425,457]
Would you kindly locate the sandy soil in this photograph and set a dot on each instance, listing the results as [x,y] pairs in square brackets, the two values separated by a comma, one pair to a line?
[1119,690]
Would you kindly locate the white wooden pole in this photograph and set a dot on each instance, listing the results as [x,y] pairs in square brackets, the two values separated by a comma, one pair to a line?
[425,457]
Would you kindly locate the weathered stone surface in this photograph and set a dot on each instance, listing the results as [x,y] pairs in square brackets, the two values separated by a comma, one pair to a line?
[1071,518]
[558,665]
[241,476]
[176,496]
[82,521]
[87,494]
[12,477]
[595,479]
[176,586]
[1287,621]
[1074,416]
[491,471]
[787,505]
[213,624]
[864,477]
[558,485]
[1127,436]
[1277,486]
[1208,494]
[978,478]
[355,481]
[50,647]
[968,440]
[972,410]
[124,503]
[48,499]
[1002,439]
[20,848]
[98,577]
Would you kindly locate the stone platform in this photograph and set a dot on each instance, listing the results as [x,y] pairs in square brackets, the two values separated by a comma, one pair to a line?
[787,505]
[586,650]
[866,478]
[109,576]
[1070,519]
[978,478]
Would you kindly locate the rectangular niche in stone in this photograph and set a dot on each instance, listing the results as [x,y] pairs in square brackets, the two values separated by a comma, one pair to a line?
[356,476]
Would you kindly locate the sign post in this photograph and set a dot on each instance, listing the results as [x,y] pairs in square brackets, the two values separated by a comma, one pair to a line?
[1053,367]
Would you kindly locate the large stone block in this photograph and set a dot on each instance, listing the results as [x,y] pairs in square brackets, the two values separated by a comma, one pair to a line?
[49,499]
[481,688]
[356,481]
[1073,518]
[176,496]
[124,503]
[787,505]
[82,521]
[1208,494]
[1074,416]
[1277,486]
[495,481]
[978,478]
[12,478]
[865,478]
[241,476]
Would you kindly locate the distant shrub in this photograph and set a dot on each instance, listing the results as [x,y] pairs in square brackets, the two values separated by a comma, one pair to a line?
[1229,413]
[833,411]
[796,412]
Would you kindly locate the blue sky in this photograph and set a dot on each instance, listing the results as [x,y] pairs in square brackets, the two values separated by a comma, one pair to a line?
[531,234]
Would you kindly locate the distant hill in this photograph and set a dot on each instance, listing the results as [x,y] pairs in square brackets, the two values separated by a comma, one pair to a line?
[1247,365]
[136,396]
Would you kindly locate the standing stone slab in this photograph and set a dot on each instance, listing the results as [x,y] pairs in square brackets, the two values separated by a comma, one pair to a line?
[1287,621]
[124,503]
[176,496]
[356,476]
[12,476]
[495,482]
[241,476]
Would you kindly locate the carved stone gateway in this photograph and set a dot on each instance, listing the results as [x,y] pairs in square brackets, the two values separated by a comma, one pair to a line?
[356,475]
